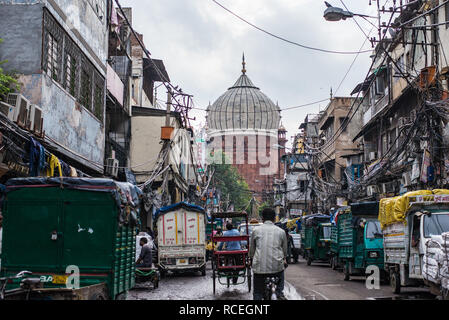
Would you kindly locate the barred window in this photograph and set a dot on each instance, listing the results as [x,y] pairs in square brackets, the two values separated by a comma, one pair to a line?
[86,89]
[53,44]
[98,101]
[70,75]
[52,57]
[66,64]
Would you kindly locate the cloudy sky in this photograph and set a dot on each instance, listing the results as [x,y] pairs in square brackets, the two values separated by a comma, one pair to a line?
[202,45]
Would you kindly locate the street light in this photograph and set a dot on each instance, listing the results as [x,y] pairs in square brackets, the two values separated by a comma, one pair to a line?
[337,14]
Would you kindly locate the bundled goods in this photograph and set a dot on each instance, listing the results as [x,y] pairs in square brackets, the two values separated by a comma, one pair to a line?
[436,260]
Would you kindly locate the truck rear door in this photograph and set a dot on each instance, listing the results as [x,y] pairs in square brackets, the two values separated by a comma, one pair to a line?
[88,236]
[194,232]
[32,238]
[170,229]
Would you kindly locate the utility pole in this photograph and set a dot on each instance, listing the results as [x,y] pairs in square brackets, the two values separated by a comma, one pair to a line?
[167,144]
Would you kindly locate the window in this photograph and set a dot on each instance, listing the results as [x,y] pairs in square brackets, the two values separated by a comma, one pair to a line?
[86,89]
[98,102]
[66,64]
[52,57]
[343,124]
[436,224]
[373,230]
[70,75]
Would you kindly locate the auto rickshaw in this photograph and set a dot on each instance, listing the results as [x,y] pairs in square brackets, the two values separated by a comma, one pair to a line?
[317,238]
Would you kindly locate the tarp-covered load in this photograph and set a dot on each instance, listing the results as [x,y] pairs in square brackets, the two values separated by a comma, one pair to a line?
[127,196]
[392,210]
[315,219]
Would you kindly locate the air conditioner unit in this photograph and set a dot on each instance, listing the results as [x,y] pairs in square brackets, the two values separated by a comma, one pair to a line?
[7,109]
[372,156]
[372,190]
[21,106]
[388,187]
[112,167]
[36,119]
[406,179]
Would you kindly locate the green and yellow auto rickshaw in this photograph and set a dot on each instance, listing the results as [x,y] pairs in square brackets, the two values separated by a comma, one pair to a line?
[317,238]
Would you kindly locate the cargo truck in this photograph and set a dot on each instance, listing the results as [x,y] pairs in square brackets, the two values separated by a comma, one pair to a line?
[53,227]
[415,227]
[181,238]
[356,240]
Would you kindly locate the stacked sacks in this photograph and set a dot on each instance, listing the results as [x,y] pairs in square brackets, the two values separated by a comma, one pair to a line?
[436,260]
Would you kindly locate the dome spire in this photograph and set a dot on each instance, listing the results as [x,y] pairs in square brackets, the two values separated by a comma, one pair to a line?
[244,64]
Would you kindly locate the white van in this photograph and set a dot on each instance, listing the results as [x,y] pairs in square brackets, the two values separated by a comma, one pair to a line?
[181,238]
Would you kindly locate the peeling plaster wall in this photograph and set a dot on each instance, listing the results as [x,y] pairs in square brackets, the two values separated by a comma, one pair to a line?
[65,121]
[21,47]
[80,19]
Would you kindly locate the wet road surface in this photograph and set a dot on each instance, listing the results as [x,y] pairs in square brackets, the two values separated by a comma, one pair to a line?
[193,286]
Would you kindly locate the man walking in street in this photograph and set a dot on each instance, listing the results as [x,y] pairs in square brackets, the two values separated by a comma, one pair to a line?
[268,252]
[146,256]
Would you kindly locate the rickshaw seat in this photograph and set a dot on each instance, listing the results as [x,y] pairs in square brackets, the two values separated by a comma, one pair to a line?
[234,252]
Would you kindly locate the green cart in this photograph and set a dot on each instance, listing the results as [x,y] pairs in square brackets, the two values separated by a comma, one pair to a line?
[360,240]
[76,236]
[317,233]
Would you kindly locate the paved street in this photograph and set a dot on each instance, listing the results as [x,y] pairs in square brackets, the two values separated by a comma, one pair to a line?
[320,282]
[315,282]
[193,286]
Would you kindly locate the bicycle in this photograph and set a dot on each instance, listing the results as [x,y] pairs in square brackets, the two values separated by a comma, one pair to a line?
[5,280]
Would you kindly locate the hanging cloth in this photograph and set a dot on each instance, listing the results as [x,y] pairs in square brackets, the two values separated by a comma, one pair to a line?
[65,169]
[42,162]
[53,163]
[34,157]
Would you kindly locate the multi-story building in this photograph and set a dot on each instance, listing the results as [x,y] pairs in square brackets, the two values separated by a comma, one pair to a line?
[404,137]
[59,49]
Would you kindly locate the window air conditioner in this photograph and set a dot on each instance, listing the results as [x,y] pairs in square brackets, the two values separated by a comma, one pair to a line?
[112,167]
[7,109]
[371,190]
[21,106]
[406,179]
[36,119]
[388,187]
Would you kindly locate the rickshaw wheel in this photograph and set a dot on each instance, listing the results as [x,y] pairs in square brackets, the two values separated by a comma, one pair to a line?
[249,278]
[213,280]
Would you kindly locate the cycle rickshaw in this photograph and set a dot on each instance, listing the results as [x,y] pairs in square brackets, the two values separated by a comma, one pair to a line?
[230,267]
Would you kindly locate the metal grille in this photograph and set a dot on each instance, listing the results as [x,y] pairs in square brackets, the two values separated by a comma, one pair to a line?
[72,66]
[53,43]
[86,89]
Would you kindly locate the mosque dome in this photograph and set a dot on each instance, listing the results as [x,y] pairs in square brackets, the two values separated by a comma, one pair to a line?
[243,107]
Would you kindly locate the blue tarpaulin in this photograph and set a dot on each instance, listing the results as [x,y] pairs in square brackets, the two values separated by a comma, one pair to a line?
[176,206]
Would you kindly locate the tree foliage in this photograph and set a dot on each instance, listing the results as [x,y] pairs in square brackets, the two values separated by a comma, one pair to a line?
[8,82]
[231,184]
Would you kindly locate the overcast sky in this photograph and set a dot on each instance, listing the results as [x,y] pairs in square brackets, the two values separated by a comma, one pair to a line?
[201,46]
